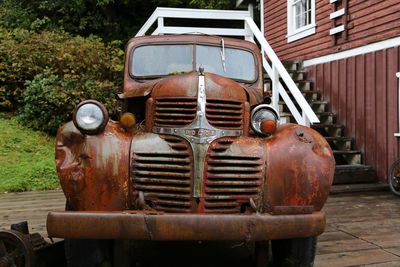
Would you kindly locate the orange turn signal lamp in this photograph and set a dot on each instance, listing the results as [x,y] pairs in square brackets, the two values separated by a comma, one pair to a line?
[268,127]
[127,120]
[264,120]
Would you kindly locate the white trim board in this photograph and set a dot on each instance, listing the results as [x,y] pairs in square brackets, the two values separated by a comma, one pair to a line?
[354,52]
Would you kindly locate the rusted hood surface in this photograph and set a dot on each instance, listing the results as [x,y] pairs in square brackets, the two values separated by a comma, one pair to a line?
[185,85]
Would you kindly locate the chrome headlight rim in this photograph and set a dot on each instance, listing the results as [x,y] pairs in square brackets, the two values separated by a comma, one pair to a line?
[259,108]
[101,126]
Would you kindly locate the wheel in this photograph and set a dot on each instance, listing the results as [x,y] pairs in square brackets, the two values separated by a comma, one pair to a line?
[15,250]
[87,252]
[298,252]
[394,178]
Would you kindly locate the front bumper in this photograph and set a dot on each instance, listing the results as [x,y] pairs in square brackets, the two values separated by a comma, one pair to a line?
[133,225]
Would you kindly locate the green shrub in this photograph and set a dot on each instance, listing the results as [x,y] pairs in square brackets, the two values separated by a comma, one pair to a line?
[25,54]
[59,71]
[50,99]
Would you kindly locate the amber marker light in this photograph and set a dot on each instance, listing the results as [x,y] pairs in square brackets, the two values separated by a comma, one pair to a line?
[127,120]
[264,120]
[268,127]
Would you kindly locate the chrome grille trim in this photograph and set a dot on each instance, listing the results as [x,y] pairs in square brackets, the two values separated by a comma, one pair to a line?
[200,133]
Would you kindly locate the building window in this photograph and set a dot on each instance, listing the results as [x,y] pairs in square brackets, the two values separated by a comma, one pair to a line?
[300,19]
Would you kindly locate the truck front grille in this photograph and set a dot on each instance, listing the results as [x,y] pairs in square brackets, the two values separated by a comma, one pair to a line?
[165,180]
[174,112]
[231,180]
[225,114]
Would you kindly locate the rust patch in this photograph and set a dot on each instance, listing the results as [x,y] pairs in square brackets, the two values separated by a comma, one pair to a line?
[299,168]
[94,169]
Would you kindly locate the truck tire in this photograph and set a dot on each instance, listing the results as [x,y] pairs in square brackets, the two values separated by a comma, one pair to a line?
[299,252]
[87,252]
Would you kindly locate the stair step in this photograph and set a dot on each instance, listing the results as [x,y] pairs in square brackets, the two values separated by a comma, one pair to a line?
[297,75]
[354,173]
[307,92]
[325,117]
[329,129]
[304,85]
[344,157]
[316,105]
[346,152]
[339,142]
[292,65]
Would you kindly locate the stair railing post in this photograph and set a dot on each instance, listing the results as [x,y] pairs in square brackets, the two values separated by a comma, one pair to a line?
[160,25]
[275,87]
[305,119]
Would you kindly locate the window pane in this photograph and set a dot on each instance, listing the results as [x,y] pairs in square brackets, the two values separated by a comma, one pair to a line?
[239,64]
[161,59]
[302,13]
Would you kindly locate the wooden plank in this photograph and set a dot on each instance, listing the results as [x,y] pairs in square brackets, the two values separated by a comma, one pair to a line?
[320,79]
[370,130]
[381,116]
[30,206]
[356,258]
[361,9]
[334,235]
[334,86]
[327,84]
[342,93]
[387,240]
[340,246]
[392,104]
[360,104]
[351,97]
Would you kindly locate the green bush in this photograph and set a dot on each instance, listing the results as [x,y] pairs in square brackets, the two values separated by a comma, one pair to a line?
[58,70]
[50,99]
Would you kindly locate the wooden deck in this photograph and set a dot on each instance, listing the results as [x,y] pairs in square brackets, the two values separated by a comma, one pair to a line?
[362,229]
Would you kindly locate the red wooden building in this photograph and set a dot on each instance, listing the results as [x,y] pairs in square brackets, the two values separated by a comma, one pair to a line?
[350,50]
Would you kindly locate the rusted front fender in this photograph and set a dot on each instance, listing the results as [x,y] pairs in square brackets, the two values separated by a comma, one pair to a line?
[300,168]
[94,169]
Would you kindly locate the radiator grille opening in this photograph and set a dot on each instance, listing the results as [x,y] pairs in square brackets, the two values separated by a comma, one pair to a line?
[174,112]
[230,181]
[165,180]
[225,114]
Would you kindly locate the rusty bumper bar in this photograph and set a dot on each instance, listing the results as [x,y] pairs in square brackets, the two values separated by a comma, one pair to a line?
[162,226]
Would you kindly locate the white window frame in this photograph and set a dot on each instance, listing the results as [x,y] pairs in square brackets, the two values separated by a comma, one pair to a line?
[296,34]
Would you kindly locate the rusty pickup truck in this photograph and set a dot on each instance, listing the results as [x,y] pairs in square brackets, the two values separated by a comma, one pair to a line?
[197,154]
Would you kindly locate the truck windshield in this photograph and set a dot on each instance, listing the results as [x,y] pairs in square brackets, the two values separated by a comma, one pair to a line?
[159,60]
[239,64]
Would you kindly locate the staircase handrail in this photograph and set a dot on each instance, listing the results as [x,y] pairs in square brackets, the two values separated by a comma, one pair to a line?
[275,71]
[277,68]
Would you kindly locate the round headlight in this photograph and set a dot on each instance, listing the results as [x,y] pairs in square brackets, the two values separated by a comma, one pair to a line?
[90,117]
[264,119]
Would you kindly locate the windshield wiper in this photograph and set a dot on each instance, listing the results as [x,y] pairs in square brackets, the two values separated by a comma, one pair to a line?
[223,54]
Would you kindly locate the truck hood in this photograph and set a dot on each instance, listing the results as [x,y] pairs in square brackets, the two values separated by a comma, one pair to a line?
[185,85]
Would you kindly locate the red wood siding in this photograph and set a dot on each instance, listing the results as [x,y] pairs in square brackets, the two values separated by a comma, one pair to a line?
[369,21]
[363,92]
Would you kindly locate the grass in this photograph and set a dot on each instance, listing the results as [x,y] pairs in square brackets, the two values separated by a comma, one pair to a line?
[26,158]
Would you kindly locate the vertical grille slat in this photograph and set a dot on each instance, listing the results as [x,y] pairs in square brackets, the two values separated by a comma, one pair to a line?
[225,114]
[174,112]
